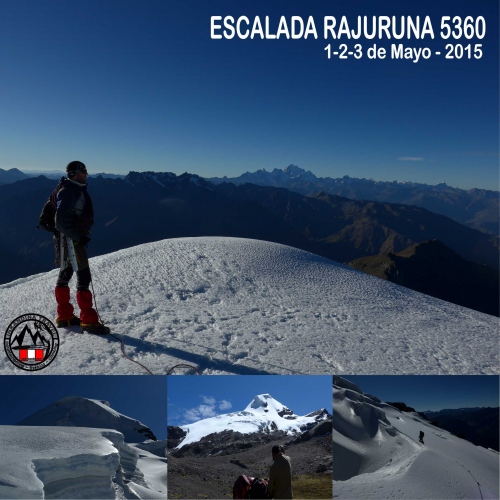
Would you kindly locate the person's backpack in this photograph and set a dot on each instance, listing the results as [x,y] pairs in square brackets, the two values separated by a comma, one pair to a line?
[241,487]
[47,219]
[259,488]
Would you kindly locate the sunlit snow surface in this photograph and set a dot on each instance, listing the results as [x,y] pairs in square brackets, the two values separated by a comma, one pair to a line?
[57,462]
[46,457]
[263,414]
[376,454]
[251,307]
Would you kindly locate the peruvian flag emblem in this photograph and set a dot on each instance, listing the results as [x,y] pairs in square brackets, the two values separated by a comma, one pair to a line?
[31,354]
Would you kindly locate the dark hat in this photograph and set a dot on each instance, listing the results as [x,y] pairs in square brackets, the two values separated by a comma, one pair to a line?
[74,167]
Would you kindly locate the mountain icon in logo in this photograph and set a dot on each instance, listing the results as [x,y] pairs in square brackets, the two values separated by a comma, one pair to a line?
[37,340]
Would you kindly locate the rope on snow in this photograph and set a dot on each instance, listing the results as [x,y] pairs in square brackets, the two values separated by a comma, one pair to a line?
[478,485]
[122,346]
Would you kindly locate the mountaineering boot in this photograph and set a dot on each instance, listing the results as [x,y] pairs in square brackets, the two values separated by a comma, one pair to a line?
[63,323]
[89,321]
[65,311]
[97,329]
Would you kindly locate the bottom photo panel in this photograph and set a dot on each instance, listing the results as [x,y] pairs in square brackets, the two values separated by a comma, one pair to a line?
[415,437]
[255,436]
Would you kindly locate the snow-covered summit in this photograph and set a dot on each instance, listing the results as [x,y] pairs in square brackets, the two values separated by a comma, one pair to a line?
[264,402]
[73,411]
[293,171]
[262,414]
[260,401]
[240,306]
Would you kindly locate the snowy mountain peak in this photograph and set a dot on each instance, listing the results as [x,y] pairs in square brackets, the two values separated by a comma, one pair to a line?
[264,401]
[267,404]
[263,414]
[69,400]
[259,401]
[75,411]
[293,170]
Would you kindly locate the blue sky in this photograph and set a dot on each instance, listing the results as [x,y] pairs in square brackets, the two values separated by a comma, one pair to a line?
[140,85]
[432,392]
[194,398]
[139,397]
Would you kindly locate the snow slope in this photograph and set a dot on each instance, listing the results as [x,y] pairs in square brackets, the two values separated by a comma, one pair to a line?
[376,454]
[243,306]
[82,412]
[80,448]
[263,414]
[154,471]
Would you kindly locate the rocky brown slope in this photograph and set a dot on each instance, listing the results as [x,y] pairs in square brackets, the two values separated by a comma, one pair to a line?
[191,476]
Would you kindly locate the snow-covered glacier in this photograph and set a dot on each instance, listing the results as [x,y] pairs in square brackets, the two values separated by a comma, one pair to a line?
[63,452]
[49,462]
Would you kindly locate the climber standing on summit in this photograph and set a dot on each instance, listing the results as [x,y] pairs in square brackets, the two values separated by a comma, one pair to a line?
[74,216]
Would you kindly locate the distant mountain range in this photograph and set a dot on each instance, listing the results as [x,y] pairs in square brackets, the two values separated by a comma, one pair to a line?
[432,268]
[478,425]
[14,175]
[148,206]
[11,175]
[476,208]
[343,229]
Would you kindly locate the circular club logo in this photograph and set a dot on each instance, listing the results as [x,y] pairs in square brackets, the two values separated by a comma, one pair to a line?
[31,342]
